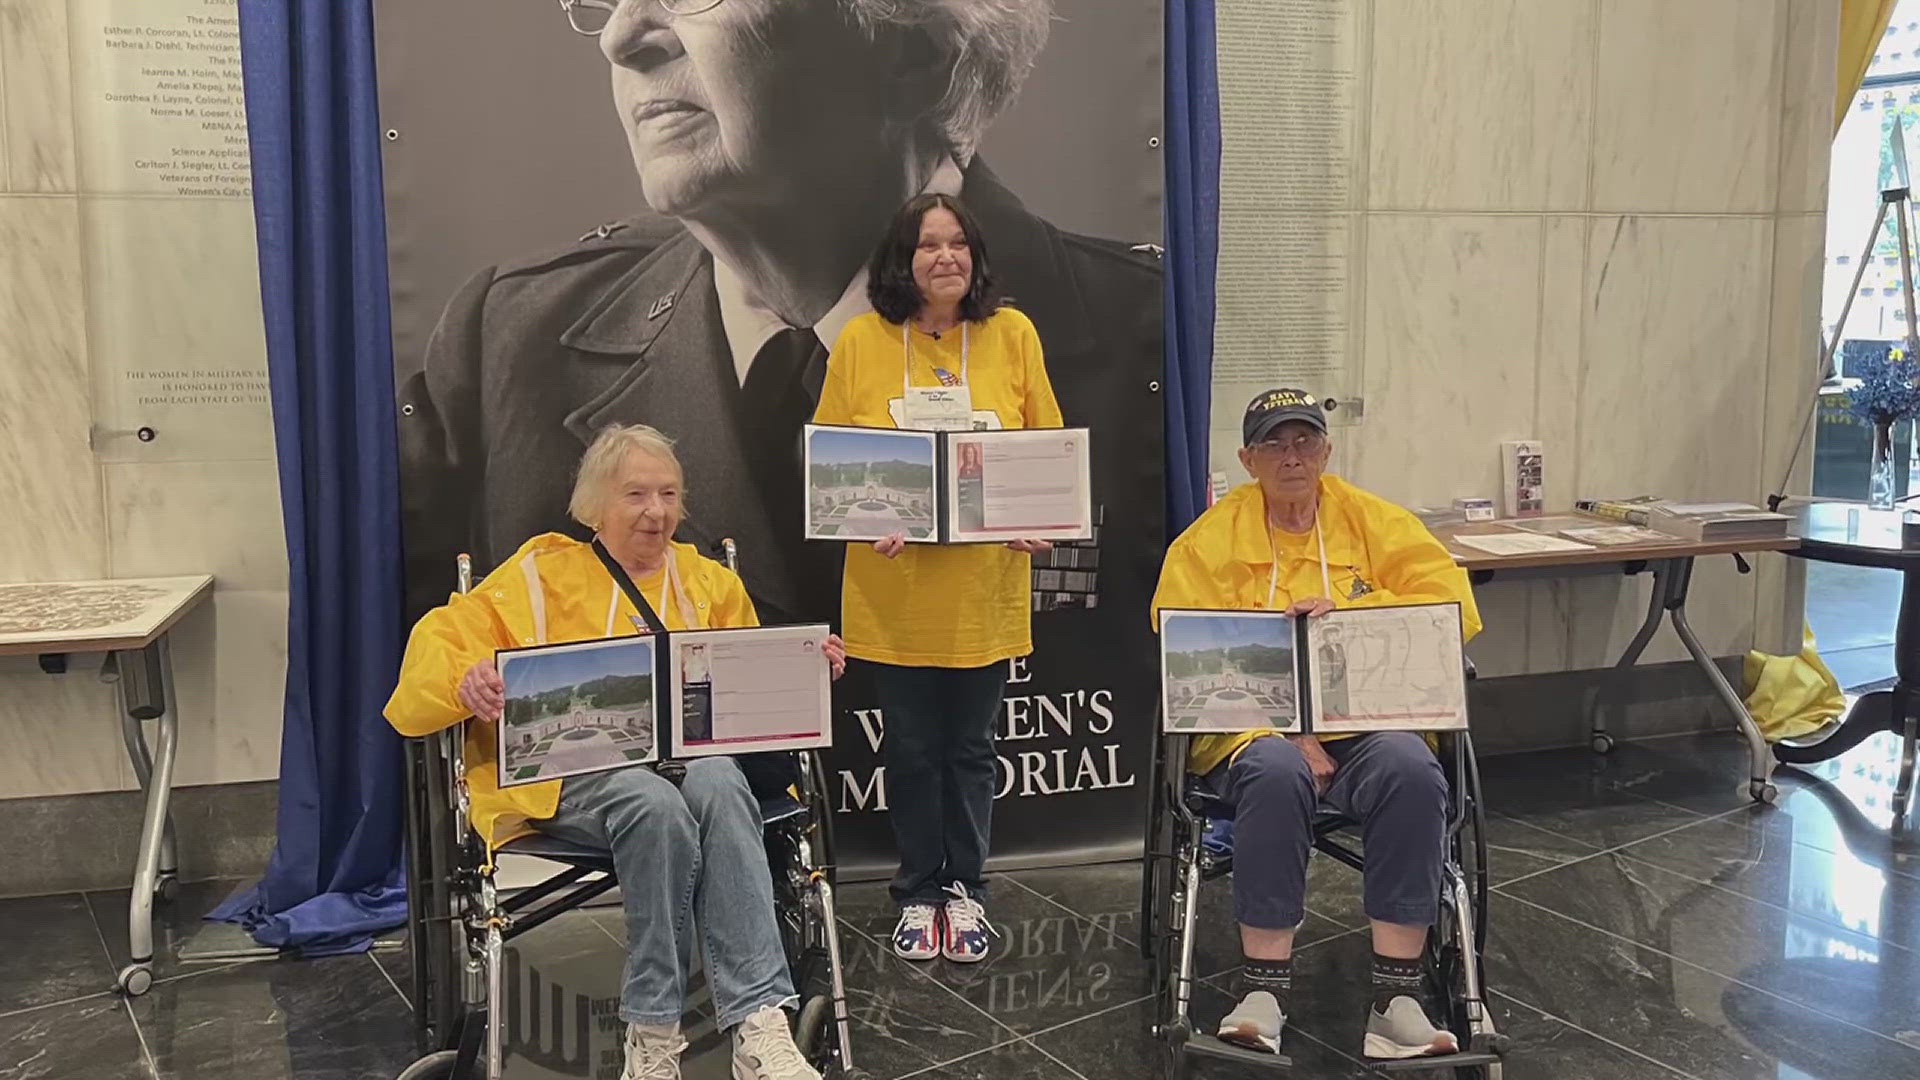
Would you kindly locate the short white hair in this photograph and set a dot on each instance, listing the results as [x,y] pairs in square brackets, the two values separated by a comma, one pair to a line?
[989,45]
[600,467]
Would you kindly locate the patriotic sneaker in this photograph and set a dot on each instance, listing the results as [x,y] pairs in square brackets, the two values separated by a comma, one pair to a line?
[965,939]
[917,935]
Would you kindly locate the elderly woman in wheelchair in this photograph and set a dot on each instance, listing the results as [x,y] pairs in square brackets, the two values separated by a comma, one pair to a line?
[1300,540]
[685,854]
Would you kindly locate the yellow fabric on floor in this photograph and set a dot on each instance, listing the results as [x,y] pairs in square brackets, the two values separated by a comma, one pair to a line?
[1791,696]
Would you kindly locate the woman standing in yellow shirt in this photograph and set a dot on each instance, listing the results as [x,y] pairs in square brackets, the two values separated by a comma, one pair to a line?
[938,624]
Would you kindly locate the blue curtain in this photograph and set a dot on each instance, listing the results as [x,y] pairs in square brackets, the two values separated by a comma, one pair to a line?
[1193,243]
[335,878]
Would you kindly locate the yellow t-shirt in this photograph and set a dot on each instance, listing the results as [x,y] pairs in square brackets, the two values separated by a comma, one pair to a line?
[553,590]
[952,606]
[1378,555]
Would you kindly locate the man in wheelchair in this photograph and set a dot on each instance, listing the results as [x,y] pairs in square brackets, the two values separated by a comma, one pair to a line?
[1308,542]
[685,855]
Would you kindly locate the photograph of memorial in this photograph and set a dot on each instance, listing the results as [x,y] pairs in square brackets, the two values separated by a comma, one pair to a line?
[1228,671]
[575,709]
[868,485]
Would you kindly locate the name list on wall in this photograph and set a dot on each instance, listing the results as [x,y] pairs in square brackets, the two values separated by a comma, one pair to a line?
[173,287]
[159,98]
[1287,173]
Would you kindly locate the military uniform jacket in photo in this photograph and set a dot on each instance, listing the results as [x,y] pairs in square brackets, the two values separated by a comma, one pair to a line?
[531,359]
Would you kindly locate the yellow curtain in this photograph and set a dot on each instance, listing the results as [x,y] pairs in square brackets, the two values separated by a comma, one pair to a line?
[1862,24]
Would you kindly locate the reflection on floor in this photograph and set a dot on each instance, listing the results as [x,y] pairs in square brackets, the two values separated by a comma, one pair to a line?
[1649,922]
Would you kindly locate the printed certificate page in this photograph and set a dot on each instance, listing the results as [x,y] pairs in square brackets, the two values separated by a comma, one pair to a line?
[1387,669]
[1010,485]
[750,690]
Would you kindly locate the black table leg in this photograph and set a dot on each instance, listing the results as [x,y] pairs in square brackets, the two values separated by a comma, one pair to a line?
[1880,710]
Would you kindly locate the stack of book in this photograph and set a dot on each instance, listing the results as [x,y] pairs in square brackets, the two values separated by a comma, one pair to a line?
[1717,521]
[1688,521]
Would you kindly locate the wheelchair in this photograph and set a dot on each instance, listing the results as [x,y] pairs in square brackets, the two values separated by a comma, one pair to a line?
[459,921]
[1189,842]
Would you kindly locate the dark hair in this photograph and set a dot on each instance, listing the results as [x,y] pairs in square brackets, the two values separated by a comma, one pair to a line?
[890,285]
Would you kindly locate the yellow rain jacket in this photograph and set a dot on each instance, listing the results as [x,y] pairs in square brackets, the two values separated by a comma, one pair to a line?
[1791,696]
[1378,555]
[553,590]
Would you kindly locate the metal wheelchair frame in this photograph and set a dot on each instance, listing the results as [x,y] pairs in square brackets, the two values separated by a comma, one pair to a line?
[459,922]
[1177,862]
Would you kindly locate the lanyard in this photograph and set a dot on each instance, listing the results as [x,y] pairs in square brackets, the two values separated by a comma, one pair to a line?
[906,349]
[1273,579]
[623,583]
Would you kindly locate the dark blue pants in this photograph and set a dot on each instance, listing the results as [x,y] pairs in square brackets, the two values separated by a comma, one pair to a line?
[1390,782]
[940,774]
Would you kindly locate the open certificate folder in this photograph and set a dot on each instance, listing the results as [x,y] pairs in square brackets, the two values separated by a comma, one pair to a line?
[1352,670]
[591,706]
[948,487]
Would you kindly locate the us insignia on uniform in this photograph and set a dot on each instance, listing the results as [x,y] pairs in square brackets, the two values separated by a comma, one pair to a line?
[660,307]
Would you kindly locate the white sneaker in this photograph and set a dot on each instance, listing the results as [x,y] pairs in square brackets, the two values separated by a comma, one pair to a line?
[653,1052]
[763,1049]
[1255,1023]
[1404,1031]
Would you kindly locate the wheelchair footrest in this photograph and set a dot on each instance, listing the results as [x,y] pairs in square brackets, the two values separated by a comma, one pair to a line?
[1463,1060]
[1209,1047]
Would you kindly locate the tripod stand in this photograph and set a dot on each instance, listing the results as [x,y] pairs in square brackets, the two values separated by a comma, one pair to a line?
[1896,198]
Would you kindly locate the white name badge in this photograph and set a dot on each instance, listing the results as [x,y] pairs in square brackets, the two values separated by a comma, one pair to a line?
[936,408]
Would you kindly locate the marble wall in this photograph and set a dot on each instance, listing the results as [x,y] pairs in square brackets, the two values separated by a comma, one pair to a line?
[104,282]
[1596,223]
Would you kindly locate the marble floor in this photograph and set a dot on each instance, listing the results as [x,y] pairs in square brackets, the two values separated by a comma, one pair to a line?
[1648,922]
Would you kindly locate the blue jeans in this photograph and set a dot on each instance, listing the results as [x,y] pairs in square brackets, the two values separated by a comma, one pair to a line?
[696,853]
[940,774]
[1388,781]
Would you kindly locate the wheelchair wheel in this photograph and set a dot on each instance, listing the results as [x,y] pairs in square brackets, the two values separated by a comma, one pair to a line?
[1160,883]
[1446,976]
[810,1030]
[1158,880]
[1173,1051]
[436,1066]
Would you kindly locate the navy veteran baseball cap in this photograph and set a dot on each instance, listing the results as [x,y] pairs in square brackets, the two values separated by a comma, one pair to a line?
[1275,407]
